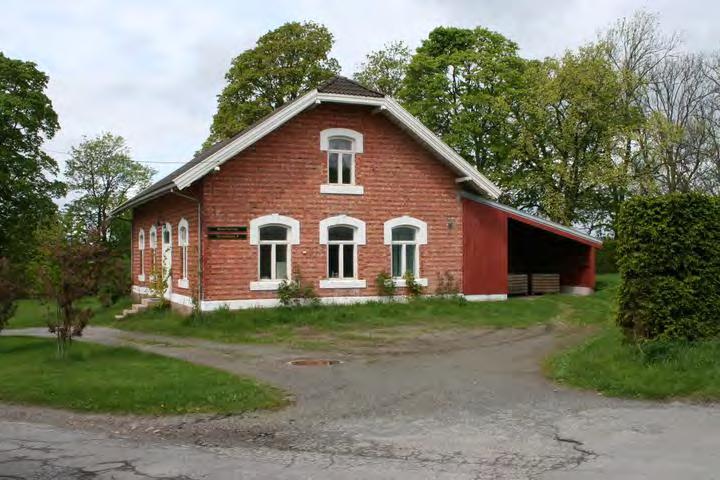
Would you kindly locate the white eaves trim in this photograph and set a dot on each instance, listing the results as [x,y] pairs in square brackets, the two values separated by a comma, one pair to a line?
[386,104]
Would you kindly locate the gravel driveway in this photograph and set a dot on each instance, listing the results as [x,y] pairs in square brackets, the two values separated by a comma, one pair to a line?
[445,405]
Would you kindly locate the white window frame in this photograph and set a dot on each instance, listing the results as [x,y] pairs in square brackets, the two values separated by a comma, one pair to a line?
[356,140]
[359,238]
[153,248]
[421,238]
[183,281]
[141,248]
[293,238]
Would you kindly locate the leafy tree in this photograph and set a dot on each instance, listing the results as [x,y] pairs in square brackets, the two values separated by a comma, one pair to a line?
[284,63]
[384,70]
[101,171]
[463,84]
[27,119]
[569,119]
[8,292]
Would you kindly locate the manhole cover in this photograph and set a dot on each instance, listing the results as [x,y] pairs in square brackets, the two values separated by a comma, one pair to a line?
[313,362]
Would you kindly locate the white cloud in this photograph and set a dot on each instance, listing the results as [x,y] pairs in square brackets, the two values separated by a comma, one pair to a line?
[150,71]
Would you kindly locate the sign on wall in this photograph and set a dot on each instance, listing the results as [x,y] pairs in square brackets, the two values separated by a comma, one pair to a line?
[227,232]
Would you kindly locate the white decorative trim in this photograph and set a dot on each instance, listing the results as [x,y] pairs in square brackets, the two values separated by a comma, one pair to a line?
[274,219]
[337,189]
[265,285]
[141,239]
[153,234]
[140,290]
[576,290]
[181,299]
[183,283]
[356,223]
[400,282]
[422,236]
[495,297]
[329,133]
[342,283]
[183,223]
[141,277]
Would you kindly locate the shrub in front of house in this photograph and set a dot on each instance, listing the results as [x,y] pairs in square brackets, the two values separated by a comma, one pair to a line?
[669,262]
[297,293]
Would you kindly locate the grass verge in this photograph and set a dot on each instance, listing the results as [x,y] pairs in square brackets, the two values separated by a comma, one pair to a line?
[95,378]
[658,371]
[35,313]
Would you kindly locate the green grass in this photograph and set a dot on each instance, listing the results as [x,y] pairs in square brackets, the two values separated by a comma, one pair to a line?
[97,378]
[35,313]
[325,326]
[670,370]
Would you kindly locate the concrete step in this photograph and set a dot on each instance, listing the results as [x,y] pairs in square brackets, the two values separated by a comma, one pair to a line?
[144,304]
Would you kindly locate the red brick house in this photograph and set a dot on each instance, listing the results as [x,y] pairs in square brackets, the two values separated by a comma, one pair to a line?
[340,185]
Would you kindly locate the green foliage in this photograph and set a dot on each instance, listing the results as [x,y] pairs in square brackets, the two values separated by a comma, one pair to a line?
[284,63]
[97,378]
[413,288]
[669,260]
[8,292]
[606,257]
[27,189]
[447,285]
[462,84]
[384,70]
[385,285]
[157,284]
[101,171]
[297,293]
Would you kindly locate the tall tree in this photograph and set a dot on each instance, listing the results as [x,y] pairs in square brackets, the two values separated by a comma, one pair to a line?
[27,189]
[102,172]
[462,84]
[384,70]
[284,63]
[569,119]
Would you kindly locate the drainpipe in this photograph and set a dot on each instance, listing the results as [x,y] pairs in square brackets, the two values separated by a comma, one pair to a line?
[199,237]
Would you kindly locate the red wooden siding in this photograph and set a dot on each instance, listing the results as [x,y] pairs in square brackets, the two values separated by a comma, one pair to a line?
[485,252]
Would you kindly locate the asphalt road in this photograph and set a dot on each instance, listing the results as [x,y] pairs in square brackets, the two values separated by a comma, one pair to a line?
[465,406]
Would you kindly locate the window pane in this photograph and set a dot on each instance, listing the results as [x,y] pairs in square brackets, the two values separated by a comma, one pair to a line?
[281,266]
[333,168]
[397,261]
[340,144]
[410,259]
[183,235]
[406,234]
[341,233]
[348,261]
[166,236]
[273,232]
[333,261]
[265,261]
[346,168]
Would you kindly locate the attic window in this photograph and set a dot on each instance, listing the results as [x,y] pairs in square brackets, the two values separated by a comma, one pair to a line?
[342,145]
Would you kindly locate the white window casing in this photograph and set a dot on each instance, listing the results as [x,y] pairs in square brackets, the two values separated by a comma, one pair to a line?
[329,133]
[342,146]
[141,247]
[343,280]
[336,189]
[292,228]
[420,238]
[275,219]
[183,242]
[406,221]
[359,225]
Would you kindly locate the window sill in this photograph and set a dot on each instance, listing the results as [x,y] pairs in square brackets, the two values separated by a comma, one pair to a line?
[333,189]
[265,285]
[183,283]
[342,283]
[400,282]
[141,278]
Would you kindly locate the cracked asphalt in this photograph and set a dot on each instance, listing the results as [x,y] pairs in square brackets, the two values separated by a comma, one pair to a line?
[466,405]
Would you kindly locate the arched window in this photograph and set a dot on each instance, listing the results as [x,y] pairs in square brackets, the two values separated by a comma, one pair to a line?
[405,235]
[341,145]
[153,248]
[274,235]
[183,243]
[141,248]
[342,235]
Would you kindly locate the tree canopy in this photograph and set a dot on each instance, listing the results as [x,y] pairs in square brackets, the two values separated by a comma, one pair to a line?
[384,70]
[283,64]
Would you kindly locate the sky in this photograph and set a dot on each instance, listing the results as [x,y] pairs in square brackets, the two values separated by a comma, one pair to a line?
[151,71]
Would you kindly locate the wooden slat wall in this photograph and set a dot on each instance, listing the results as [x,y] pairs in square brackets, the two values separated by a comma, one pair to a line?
[545,283]
[517,284]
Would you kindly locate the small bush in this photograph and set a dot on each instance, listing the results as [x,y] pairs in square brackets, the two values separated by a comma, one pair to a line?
[669,262]
[296,293]
[414,289]
[385,285]
[447,285]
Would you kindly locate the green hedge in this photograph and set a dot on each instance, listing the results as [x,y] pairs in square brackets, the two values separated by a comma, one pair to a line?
[669,262]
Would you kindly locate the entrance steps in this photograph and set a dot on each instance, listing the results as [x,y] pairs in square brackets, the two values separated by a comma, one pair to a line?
[144,304]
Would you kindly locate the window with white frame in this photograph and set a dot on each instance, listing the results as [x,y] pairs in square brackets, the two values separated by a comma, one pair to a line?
[405,235]
[153,247]
[342,235]
[274,235]
[183,243]
[141,254]
[342,145]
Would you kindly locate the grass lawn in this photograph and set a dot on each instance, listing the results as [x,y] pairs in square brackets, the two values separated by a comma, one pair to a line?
[606,364]
[97,378]
[34,313]
[328,326]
